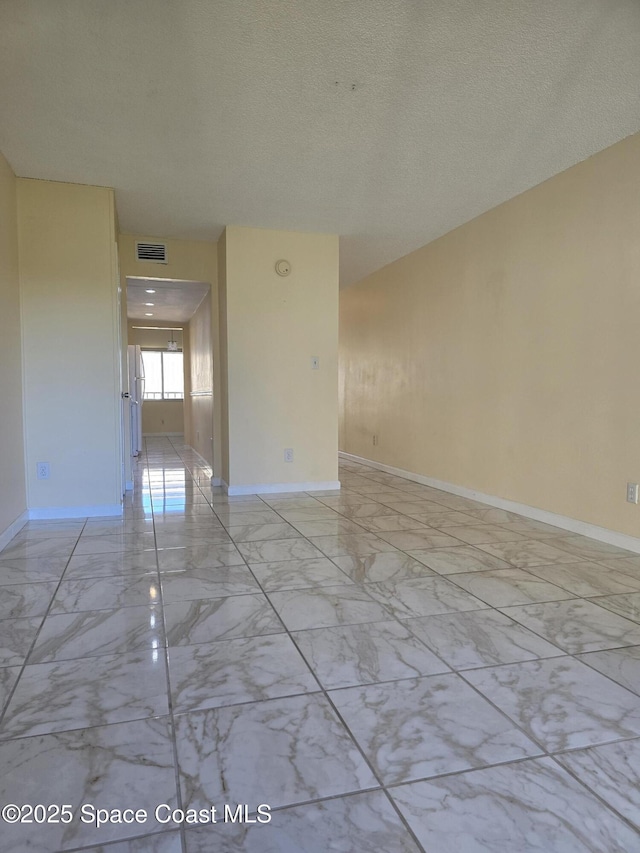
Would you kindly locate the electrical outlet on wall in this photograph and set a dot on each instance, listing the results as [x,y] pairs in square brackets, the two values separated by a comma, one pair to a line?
[42,469]
[288,454]
[632,493]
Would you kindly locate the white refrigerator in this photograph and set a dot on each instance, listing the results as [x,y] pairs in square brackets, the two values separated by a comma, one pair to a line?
[136,397]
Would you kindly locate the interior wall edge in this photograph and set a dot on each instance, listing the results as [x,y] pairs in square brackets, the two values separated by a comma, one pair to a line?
[13,529]
[275,488]
[200,456]
[50,512]
[573,525]
[497,356]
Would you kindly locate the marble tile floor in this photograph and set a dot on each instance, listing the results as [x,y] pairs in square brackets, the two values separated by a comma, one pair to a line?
[389,667]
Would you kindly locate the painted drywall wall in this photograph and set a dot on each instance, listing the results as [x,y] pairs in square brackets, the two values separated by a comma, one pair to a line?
[156,338]
[200,367]
[68,281]
[222,398]
[274,326]
[13,500]
[502,356]
[124,375]
[158,416]
[187,260]
[187,415]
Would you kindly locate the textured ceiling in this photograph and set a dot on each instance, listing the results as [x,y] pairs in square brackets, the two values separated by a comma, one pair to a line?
[173,301]
[388,122]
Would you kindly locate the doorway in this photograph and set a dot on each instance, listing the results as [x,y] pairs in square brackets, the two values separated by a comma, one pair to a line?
[169,332]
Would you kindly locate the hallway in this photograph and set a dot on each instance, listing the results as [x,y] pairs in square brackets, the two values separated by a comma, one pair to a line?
[389,667]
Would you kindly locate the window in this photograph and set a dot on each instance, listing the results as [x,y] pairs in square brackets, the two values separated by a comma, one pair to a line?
[163,376]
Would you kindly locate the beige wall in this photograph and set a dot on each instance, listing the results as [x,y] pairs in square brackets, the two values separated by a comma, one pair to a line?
[124,374]
[223,396]
[13,499]
[188,260]
[160,417]
[502,357]
[200,399]
[274,326]
[155,338]
[68,281]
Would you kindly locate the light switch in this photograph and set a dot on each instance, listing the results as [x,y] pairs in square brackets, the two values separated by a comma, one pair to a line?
[315,362]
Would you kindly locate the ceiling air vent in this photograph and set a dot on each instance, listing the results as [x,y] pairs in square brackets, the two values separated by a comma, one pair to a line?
[154,252]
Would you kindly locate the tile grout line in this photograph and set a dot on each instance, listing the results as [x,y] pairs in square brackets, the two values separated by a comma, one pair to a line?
[340,718]
[324,692]
[165,650]
[502,713]
[322,689]
[592,791]
[36,636]
[549,754]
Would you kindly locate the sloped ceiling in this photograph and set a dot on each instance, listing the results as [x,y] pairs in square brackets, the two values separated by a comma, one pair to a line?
[388,122]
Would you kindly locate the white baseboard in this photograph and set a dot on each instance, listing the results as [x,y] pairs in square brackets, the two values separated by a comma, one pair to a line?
[14,528]
[200,456]
[274,488]
[573,525]
[41,513]
[215,481]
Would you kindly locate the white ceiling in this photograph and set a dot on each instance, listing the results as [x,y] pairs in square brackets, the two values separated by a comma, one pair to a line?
[389,122]
[173,301]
